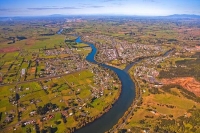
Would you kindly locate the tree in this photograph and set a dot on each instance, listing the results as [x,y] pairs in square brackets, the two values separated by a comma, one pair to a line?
[28,130]
[40,110]
[159,66]
[57,122]
[122,131]
[17,97]
[49,130]
[63,118]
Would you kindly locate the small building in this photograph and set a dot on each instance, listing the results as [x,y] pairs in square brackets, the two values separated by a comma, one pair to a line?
[23,71]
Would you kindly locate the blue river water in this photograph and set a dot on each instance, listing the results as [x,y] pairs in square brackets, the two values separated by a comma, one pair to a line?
[110,118]
[60,31]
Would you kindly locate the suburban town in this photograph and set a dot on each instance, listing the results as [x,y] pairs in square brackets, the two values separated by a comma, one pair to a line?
[94,72]
[112,49]
[53,83]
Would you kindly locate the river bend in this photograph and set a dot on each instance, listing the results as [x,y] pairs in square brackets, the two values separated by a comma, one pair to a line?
[110,118]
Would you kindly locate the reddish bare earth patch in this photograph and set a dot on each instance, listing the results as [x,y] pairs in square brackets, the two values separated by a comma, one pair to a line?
[188,83]
[198,47]
[184,31]
[8,49]
[30,41]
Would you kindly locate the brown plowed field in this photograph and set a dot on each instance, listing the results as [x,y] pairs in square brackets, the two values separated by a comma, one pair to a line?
[188,83]
[8,49]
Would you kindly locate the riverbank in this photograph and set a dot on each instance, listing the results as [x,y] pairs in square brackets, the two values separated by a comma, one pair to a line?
[138,98]
[130,112]
[110,118]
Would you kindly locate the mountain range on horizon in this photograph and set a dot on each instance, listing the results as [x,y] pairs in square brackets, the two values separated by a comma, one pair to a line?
[62,15]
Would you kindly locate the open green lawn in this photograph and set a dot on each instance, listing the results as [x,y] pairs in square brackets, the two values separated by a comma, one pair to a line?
[55,40]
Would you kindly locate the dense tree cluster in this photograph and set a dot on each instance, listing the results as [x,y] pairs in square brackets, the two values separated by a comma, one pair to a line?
[47,107]
[184,68]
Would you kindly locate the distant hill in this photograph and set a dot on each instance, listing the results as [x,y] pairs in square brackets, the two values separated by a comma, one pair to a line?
[184,16]
[56,15]
[170,16]
[6,19]
[174,16]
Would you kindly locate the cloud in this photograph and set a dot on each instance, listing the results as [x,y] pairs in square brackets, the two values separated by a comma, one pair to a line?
[113,0]
[4,9]
[53,8]
[83,5]
[108,0]
[149,0]
[65,8]
[9,10]
[95,6]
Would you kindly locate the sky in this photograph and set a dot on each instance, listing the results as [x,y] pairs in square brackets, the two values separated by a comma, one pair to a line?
[96,7]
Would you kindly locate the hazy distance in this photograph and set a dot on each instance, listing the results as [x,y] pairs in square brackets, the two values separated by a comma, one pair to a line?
[96,7]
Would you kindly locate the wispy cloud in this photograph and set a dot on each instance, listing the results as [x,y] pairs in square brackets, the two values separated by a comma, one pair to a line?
[108,0]
[83,5]
[65,8]
[4,9]
[149,0]
[113,0]
[95,6]
[53,8]
[9,10]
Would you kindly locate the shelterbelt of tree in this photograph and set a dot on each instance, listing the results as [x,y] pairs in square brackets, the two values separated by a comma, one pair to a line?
[110,118]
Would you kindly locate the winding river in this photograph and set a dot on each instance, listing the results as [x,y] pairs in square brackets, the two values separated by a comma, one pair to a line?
[110,118]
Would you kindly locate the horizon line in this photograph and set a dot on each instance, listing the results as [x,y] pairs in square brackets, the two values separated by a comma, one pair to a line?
[97,15]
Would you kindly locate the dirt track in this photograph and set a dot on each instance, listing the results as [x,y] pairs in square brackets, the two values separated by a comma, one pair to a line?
[188,83]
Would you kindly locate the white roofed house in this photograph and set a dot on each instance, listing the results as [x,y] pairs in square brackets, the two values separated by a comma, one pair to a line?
[23,72]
